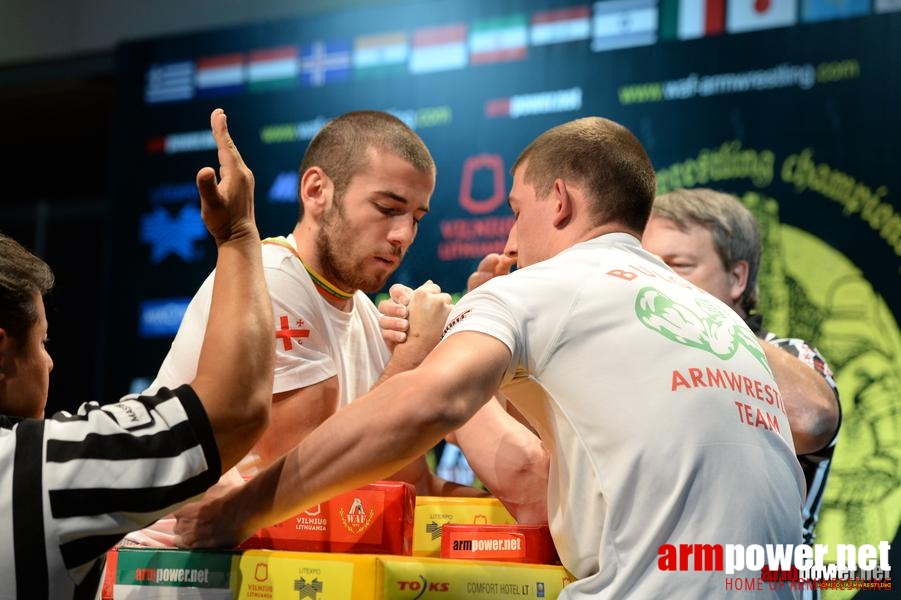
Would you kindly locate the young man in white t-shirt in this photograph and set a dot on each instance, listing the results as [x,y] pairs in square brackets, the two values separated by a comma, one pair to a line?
[659,411]
[366,182]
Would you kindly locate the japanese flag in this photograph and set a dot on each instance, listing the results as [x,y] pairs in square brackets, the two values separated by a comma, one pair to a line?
[751,15]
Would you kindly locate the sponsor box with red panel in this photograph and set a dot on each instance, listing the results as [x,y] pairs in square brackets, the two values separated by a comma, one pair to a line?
[434,512]
[109,575]
[513,543]
[375,519]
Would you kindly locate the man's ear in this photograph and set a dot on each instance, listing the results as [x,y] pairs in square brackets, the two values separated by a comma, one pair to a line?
[315,190]
[562,199]
[738,279]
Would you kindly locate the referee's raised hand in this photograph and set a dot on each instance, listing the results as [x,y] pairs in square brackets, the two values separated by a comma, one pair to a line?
[236,390]
[227,206]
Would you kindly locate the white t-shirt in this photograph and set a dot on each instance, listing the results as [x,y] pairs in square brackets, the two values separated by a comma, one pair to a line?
[659,411]
[313,339]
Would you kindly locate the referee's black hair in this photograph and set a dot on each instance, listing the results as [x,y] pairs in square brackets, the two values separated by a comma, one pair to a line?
[22,275]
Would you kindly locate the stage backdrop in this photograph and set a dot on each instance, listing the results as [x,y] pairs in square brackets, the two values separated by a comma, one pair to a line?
[791,104]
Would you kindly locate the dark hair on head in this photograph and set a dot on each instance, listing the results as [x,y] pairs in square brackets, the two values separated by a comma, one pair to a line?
[735,231]
[602,157]
[341,148]
[22,274]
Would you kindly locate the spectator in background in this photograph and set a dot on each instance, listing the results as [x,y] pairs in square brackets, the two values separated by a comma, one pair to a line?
[713,241]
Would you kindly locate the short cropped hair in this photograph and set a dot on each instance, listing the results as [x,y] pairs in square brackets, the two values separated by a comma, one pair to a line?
[735,231]
[21,275]
[602,156]
[341,147]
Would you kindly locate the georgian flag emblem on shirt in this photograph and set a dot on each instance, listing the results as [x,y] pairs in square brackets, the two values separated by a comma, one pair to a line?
[288,333]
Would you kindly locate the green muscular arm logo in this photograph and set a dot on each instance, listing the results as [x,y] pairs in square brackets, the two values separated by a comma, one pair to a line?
[711,327]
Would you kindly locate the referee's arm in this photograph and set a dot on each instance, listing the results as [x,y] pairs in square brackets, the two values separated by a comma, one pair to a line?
[237,358]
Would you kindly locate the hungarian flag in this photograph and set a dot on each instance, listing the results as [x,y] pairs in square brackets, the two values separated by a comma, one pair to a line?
[439,49]
[275,68]
[691,19]
[561,25]
[751,15]
[497,40]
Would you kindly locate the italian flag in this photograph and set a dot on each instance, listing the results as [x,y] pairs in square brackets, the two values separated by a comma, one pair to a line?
[691,19]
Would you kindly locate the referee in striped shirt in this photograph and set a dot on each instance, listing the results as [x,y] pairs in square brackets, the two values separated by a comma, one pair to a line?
[72,485]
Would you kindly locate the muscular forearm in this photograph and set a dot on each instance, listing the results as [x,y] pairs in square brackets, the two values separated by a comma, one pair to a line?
[234,371]
[509,459]
[235,380]
[810,403]
[345,453]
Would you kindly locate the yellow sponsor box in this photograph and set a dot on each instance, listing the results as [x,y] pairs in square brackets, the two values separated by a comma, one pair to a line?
[279,575]
[409,578]
[434,512]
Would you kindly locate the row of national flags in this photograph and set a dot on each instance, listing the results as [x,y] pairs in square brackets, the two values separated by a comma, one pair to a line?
[605,25]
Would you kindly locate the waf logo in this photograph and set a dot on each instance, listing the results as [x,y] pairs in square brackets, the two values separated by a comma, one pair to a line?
[287,334]
[422,585]
[355,519]
[307,590]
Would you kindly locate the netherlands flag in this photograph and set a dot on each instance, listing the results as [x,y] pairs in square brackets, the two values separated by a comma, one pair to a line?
[220,75]
[439,49]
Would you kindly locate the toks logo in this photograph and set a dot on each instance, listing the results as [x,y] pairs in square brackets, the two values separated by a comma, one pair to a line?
[422,586]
